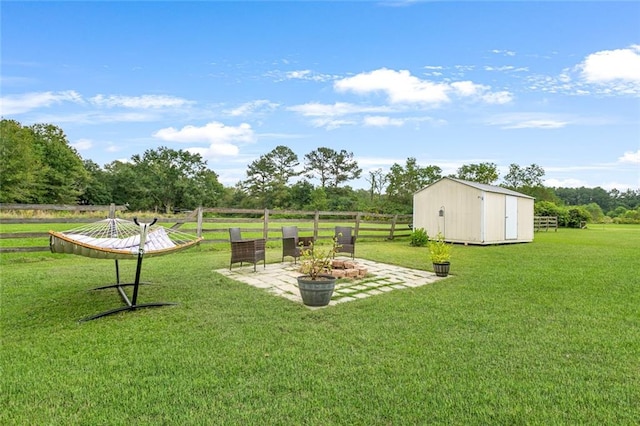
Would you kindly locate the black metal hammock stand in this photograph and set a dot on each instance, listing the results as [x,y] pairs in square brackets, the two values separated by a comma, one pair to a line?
[122,239]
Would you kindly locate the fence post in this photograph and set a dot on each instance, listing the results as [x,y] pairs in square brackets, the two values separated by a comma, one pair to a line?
[112,211]
[199,221]
[316,219]
[265,230]
[393,226]
[355,233]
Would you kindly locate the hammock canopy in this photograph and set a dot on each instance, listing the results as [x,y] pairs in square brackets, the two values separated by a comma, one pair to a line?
[119,239]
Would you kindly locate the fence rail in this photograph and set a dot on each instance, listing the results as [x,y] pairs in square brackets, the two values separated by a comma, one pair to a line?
[545,222]
[213,223]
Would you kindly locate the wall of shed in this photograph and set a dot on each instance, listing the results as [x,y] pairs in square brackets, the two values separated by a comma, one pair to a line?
[525,219]
[468,218]
[462,207]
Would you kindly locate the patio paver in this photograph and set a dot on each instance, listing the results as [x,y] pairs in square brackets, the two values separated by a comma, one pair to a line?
[280,279]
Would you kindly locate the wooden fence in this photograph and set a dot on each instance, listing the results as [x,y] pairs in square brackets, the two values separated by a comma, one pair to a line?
[545,222]
[213,223]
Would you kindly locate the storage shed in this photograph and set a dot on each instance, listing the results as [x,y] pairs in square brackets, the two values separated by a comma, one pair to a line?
[473,213]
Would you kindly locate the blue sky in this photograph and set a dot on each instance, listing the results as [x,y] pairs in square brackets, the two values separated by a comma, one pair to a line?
[449,83]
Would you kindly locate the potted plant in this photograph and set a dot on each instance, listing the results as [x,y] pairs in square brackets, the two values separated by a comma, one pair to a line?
[317,284]
[440,254]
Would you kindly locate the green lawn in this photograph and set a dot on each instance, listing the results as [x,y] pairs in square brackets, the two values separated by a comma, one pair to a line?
[545,333]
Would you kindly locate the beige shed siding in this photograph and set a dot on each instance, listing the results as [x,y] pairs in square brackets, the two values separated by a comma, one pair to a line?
[473,214]
[462,211]
[525,219]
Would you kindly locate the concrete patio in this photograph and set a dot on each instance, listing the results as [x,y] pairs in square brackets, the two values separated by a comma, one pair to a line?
[280,279]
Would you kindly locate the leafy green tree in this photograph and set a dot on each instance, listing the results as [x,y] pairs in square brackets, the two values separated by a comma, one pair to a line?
[631,216]
[577,215]
[64,177]
[19,168]
[583,196]
[548,208]
[269,175]
[332,168]
[300,195]
[204,190]
[518,177]
[171,178]
[541,193]
[595,211]
[629,199]
[125,186]
[96,191]
[259,182]
[407,179]
[319,200]
[481,173]
[378,180]
[341,199]
[284,162]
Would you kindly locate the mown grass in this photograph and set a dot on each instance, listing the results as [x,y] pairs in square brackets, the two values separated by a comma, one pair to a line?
[541,333]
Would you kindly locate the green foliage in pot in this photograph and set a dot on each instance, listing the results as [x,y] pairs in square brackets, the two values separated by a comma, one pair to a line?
[439,250]
[316,260]
[419,238]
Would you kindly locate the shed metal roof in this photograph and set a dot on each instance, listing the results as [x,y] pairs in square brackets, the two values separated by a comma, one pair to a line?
[483,187]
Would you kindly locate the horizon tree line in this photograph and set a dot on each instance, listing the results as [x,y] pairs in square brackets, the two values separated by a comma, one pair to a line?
[40,166]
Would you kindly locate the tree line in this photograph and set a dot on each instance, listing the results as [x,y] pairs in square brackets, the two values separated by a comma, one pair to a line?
[40,166]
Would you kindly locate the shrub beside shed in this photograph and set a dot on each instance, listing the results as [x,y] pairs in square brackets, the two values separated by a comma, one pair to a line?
[473,213]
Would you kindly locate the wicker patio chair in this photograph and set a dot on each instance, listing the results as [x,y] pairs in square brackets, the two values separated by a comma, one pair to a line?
[346,240]
[252,251]
[292,244]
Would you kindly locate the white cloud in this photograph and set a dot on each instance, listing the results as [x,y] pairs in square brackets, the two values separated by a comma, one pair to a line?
[537,124]
[379,162]
[220,137]
[302,74]
[503,52]
[330,123]
[399,86]
[82,144]
[481,92]
[307,75]
[402,87]
[97,117]
[605,73]
[503,68]
[253,107]
[216,150]
[315,109]
[528,121]
[565,183]
[143,102]
[468,88]
[18,104]
[608,65]
[630,157]
[382,121]
[502,97]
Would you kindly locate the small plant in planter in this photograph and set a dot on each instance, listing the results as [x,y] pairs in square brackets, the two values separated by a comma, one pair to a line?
[317,284]
[440,254]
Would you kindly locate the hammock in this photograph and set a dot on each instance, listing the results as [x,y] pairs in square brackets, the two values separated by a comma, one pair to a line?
[121,239]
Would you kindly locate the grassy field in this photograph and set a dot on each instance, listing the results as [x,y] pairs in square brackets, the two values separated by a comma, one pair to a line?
[545,333]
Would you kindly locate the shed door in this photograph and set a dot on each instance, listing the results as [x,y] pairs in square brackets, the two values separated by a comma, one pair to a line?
[511,218]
